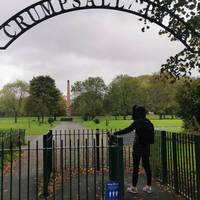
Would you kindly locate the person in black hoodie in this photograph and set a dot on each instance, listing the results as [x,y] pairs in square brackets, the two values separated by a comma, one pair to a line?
[140,150]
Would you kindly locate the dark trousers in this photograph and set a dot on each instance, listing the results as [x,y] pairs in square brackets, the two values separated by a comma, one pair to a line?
[146,165]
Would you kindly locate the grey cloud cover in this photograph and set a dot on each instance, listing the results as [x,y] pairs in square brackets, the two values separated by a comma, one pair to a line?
[80,44]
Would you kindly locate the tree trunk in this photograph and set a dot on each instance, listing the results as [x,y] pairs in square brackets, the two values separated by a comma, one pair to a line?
[115,117]
[160,116]
[124,117]
[38,118]
[55,118]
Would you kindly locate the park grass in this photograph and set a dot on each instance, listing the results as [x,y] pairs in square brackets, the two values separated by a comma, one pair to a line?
[30,124]
[174,125]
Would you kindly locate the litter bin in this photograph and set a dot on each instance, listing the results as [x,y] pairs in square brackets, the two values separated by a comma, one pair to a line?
[112,190]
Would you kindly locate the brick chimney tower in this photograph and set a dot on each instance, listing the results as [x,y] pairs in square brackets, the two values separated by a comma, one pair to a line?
[68,99]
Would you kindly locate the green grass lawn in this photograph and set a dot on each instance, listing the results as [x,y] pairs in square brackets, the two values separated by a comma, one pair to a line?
[174,125]
[30,124]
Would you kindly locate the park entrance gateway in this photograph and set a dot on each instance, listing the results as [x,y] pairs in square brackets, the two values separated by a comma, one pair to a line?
[79,158]
[147,9]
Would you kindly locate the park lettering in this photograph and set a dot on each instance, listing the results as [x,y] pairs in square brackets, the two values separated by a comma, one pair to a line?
[46,9]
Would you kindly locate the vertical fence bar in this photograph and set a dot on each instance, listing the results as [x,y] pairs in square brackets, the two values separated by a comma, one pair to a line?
[184,165]
[175,167]
[193,167]
[83,150]
[178,161]
[164,157]
[107,152]
[197,157]
[61,169]
[94,167]
[19,183]
[54,171]
[129,157]
[102,165]
[74,150]
[86,150]
[181,162]
[189,167]
[37,174]
[168,159]
[2,169]
[70,169]
[45,166]
[11,169]
[28,173]
[78,160]
[186,162]
[65,149]
[56,144]
[97,150]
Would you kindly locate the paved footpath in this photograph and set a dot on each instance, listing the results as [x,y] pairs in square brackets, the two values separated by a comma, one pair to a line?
[15,195]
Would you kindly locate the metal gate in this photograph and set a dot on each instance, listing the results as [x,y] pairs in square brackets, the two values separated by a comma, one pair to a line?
[69,164]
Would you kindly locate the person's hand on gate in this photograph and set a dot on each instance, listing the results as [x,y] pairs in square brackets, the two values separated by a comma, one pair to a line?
[108,134]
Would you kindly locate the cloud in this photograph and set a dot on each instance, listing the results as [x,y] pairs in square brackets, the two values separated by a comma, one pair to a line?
[81,44]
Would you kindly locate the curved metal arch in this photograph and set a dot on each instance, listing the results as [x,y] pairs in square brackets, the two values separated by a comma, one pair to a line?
[145,13]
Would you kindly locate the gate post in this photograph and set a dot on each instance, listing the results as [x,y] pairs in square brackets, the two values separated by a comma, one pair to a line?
[47,160]
[164,156]
[116,164]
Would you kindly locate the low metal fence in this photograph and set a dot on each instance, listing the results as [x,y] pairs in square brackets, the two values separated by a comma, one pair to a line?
[176,162]
[75,164]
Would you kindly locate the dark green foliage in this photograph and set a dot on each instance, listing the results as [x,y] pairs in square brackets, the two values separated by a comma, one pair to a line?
[188,98]
[44,97]
[89,96]
[96,120]
[184,19]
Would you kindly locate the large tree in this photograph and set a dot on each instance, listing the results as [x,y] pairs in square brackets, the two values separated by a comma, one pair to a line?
[44,97]
[159,95]
[188,98]
[123,94]
[12,98]
[89,96]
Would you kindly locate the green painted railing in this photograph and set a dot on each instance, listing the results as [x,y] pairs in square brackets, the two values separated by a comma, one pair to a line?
[176,162]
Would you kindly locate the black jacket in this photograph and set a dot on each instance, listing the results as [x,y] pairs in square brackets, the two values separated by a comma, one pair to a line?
[138,149]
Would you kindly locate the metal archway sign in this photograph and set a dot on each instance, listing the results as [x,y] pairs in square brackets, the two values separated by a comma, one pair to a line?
[27,18]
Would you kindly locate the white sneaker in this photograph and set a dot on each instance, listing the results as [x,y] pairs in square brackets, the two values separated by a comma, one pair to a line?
[132,189]
[147,189]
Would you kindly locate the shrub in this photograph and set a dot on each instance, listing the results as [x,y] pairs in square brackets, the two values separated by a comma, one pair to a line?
[50,120]
[96,120]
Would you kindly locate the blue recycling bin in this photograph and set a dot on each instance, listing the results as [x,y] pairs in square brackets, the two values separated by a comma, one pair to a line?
[112,190]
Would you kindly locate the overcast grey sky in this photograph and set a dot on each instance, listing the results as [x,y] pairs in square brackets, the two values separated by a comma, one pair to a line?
[80,44]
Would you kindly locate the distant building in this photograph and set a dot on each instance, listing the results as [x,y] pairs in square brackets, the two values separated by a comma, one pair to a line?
[68,99]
